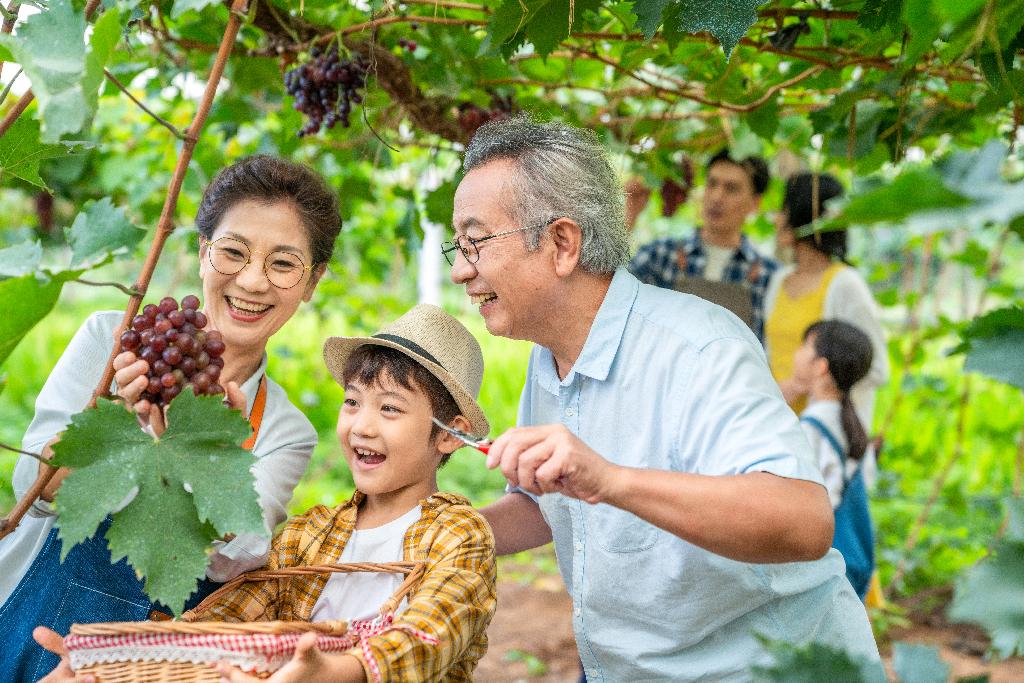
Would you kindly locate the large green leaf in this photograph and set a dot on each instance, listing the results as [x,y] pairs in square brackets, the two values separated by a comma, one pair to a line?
[911,192]
[545,23]
[991,593]
[726,20]
[21,151]
[27,300]
[106,33]
[50,47]
[878,14]
[183,6]
[21,259]
[916,663]
[649,15]
[100,229]
[164,531]
[993,344]
[813,663]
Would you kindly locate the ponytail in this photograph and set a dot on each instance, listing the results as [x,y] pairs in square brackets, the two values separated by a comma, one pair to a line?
[852,428]
[848,352]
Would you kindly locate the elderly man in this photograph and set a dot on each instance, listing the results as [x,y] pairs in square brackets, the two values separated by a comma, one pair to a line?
[654,447]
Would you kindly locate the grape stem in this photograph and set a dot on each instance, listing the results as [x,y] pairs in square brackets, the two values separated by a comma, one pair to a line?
[28,453]
[127,290]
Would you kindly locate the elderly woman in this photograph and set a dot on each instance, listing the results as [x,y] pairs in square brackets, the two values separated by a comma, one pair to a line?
[267,231]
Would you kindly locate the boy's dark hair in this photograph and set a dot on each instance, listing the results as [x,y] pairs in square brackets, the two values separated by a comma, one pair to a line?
[266,179]
[755,167]
[801,207]
[369,364]
[849,354]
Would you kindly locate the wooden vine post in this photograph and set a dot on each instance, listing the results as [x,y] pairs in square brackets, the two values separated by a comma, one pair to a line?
[164,228]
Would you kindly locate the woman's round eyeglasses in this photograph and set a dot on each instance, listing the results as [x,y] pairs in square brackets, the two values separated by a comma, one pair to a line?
[469,246]
[283,269]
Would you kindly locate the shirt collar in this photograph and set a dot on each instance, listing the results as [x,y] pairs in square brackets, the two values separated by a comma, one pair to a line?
[746,250]
[602,343]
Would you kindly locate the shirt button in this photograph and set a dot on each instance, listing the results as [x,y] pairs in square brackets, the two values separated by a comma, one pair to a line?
[579,546]
[569,412]
[576,612]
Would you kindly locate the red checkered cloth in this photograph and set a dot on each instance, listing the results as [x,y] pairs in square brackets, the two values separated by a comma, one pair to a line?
[258,652]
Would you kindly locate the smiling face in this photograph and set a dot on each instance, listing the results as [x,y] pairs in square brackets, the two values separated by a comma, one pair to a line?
[729,197]
[385,432]
[512,286]
[245,307]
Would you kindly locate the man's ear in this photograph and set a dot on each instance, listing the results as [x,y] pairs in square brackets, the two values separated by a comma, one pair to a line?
[567,236]
[314,279]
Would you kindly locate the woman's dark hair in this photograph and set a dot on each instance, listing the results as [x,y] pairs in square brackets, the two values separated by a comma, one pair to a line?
[849,354]
[755,167]
[268,179]
[801,207]
[371,364]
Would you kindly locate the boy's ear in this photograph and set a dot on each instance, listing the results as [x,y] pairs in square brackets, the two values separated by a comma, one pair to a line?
[448,443]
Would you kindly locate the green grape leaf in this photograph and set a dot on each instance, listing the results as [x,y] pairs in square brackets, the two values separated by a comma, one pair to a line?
[545,23]
[21,259]
[182,6]
[998,357]
[106,33]
[100,229]
[27,300]
[649,15]
[991,592]
[726,20]
[50,48]
[878,14]
[439,204]
[21,151]
[112,459]
[812,663]
[911,192]
[916,663]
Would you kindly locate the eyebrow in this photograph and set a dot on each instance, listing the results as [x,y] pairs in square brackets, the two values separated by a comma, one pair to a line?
[280,247]
[384,394]
[469,224]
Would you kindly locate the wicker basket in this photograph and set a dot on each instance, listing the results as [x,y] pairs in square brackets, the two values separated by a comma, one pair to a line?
[177,651]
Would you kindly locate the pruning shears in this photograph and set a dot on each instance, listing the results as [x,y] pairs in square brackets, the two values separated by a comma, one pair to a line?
[481,445]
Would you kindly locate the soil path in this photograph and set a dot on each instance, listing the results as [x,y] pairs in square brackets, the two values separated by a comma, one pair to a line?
[531,639]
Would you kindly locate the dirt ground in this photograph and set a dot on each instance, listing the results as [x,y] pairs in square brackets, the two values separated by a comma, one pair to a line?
[531,635]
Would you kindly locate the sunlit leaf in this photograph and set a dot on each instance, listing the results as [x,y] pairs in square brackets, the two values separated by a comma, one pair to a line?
[100,229]
[112,458]
[27,300]
[21,259]
[21,151]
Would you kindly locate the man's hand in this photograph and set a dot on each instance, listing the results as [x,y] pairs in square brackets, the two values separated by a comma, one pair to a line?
[307,665]
[551,459]
[50,640]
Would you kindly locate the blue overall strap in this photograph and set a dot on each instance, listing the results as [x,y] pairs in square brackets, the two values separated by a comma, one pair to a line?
[829,436]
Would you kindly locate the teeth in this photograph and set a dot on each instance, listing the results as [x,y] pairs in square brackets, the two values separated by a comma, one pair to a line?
[365,452]
[483,298]
[247,306]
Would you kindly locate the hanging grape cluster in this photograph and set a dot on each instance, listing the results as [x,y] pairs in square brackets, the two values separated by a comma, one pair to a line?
[180,354]
[472,116]
[325,88]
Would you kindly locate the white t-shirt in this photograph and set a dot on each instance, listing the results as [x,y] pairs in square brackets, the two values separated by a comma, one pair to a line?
[717,259]
[828,413]
[359,595]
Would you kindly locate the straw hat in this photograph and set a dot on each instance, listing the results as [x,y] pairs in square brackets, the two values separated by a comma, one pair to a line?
[438,342]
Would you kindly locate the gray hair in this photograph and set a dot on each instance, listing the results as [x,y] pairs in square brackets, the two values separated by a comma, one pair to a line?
[560,171]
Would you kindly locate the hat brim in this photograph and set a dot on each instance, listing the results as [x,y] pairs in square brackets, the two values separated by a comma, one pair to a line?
[338,349]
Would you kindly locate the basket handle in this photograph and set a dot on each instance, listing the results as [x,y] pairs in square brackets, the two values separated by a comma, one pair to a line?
[413,571]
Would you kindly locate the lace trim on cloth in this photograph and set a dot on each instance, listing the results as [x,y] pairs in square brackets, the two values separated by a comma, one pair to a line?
[259,653]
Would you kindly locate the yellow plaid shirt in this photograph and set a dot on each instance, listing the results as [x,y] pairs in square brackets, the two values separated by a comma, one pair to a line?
[454,602]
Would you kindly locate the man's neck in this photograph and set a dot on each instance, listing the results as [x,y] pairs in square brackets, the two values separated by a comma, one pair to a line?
[573,318]
[726,238]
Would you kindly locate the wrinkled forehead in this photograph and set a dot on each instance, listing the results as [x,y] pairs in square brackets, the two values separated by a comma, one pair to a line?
[485,199]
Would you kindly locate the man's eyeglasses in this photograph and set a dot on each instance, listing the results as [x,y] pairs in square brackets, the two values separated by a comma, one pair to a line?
[470,247]
[283,269]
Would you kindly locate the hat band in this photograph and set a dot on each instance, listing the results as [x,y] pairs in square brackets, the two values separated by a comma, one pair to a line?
[410,346]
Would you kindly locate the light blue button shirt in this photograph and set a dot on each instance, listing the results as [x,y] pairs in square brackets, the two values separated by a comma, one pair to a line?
[668,381]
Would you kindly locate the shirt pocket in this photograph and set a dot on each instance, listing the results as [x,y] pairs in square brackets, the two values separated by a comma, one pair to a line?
[618,531]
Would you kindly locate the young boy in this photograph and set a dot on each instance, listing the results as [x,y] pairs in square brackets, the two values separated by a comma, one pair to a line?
[424,365]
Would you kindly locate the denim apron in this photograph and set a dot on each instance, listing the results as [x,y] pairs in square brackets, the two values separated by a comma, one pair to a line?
[86,588]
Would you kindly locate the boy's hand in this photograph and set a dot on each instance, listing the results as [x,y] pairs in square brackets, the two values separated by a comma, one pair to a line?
[51,641]
[308,665]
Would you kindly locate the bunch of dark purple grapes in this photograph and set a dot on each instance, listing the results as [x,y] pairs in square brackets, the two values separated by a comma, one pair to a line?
[325,88]
[180,354]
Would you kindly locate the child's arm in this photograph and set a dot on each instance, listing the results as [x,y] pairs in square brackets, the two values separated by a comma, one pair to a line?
[452,606]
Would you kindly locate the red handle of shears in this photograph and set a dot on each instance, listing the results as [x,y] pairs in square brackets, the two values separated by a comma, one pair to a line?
[482,447]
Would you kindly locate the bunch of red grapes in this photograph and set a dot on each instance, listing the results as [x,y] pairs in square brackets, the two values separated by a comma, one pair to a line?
[471,116]
[181,355]
[325,88]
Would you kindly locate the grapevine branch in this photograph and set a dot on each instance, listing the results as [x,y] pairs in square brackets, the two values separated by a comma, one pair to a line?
[162,121]
[127,290]
[10,16]
[21,452]
[164,227]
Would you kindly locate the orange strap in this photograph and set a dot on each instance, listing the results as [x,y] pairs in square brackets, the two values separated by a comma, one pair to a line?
[256,415]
